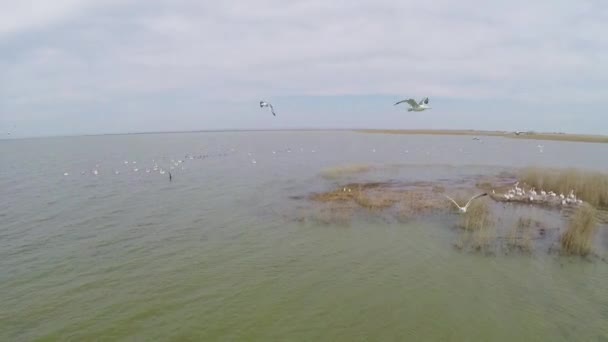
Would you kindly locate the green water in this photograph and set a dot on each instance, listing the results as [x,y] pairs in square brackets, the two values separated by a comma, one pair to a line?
[215,255]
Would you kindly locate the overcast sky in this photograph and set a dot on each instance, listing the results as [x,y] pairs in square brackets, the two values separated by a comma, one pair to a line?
[86,66]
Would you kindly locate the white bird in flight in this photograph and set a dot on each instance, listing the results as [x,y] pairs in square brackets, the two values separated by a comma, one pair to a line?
[416,107]
[266,104]
[464,209]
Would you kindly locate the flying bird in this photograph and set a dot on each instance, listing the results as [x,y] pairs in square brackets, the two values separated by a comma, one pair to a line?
[266,104]
[464,209]
[416,106]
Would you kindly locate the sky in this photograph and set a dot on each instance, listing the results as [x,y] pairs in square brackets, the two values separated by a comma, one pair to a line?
[70,67]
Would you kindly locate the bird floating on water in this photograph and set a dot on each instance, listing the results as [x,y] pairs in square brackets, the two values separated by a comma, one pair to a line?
[464,209]
[266,104]
[416,106]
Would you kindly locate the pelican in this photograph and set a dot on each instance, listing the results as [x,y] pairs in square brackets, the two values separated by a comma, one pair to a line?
[266,104]
[516,187]
[464,209]
[416,107]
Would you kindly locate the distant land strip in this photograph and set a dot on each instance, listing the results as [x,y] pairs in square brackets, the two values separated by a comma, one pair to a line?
[511,135]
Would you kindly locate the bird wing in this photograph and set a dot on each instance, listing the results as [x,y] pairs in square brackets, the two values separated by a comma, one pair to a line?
[272,109]
[450,198]
[411,102]
[474,197]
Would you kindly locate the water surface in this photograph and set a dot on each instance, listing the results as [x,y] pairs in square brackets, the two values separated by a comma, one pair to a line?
[214,255]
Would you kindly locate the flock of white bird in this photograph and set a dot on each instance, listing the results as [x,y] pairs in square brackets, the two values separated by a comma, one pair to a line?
[131,166]
[531,195]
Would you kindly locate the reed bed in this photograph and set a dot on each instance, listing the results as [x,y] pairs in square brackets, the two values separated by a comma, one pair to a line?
[591,187]
[582,228]
[479,231]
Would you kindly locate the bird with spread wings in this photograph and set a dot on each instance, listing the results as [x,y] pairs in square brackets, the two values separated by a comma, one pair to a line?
[416,106]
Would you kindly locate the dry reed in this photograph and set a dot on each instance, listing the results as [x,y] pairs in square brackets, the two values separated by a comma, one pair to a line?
[591,187]
[578,238]
[478,226]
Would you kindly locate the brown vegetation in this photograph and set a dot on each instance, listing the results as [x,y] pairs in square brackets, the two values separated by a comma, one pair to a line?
[591,187]
[534,136]
[479,233]
[578,238]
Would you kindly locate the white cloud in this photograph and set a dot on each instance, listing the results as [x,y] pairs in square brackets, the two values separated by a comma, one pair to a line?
[16,16]
[87,51]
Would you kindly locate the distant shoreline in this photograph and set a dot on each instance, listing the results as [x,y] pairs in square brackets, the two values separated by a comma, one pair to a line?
[511,135]
[589,138]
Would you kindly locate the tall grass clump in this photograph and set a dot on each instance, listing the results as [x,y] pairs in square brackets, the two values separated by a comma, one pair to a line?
[478,225]
[477,216]
[578,238]
[591,187]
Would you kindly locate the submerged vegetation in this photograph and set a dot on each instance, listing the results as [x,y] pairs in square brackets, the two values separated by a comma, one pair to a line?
[346,170]
[490,224]
[578,238]
[591,187]
[520,236]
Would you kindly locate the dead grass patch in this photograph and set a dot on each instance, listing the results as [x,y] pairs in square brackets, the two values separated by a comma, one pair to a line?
[582,228]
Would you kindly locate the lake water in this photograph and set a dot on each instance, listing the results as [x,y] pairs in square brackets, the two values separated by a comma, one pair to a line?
[214,254]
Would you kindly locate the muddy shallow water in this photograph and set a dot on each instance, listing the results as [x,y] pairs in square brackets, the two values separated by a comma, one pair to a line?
[236,247]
